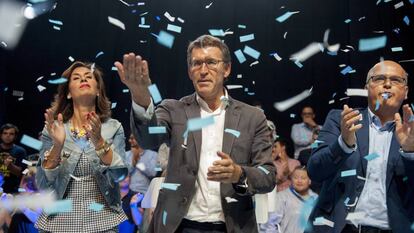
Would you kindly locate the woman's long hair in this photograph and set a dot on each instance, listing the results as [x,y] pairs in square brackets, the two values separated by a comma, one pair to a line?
[62,104]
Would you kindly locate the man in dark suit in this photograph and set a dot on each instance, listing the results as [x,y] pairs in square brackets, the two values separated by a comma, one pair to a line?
[366,161]
[219,167]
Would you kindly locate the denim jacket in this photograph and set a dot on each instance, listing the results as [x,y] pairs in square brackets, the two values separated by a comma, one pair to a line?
[107,177]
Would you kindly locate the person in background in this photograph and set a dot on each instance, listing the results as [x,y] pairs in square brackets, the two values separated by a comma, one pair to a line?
[127,226]
[282,158]
[306,153]
[301,133]
[142,164]
[291,215]
[11,158]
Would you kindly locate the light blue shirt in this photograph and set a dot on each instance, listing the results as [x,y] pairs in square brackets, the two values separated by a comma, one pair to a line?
[143,171]
[372,201]
[301,135]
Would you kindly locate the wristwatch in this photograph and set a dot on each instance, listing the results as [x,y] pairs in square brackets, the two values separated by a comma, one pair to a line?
[103,150]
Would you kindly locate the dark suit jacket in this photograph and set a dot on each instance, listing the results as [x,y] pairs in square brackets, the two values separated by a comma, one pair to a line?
[250,150]
[327,162]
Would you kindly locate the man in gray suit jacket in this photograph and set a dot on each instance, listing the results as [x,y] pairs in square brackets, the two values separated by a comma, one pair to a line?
[219,167]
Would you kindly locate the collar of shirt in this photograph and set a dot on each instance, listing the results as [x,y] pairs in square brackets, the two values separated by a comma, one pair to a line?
[376,122]
[204,106]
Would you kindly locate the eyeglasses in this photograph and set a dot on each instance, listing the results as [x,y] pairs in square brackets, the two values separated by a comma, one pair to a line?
[394,80]
[210,63]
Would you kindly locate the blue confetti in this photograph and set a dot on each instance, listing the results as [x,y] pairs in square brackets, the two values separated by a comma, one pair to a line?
[1,179]
[374,43]
[371,156]
[199,123]
[216,32]
[377,105]
[58,22]
[158,169]
[396,49]
[347,21]
[157,18]
[142,20]
[346,70]
[240,56]
[406,20]
[114,68]
[57,81]
[157,130]
[284,17]
[251,93]
[346,201]
[99,54]
[232,131]
[174,28]
[300,65]
[244,26]
[251,52]
[346,173]
[125,90]
[31,142]
[59,206]
[113,105]
[305,211]
[156,96]
[314,145]
[263,169]
[164,217]
[170,186]
[96,206]
[246,38]
[165,39]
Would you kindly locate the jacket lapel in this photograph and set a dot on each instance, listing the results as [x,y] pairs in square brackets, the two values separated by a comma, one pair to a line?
[363,140]
[393,156]
[231,121]
[192,110]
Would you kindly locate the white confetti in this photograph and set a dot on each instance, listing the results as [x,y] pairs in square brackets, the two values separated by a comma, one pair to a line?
[116,22]
[283,105]
[169,17]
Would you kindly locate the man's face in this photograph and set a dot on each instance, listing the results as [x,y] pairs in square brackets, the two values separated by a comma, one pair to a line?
[8,136]
[307,113]
[387,79]
[300,181]
[208,79]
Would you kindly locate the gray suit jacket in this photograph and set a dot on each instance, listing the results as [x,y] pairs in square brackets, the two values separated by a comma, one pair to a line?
[250,150]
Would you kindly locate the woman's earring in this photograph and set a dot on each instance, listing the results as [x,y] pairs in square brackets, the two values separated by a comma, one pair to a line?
[68,96]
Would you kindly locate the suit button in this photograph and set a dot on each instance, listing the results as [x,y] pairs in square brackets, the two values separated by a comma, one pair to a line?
[184,200]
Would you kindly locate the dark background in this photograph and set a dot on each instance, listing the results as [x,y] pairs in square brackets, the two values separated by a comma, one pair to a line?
[86,31]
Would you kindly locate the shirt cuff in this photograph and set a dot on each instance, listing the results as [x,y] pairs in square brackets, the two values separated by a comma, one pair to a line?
[345,147]
[407,155]
[141,113]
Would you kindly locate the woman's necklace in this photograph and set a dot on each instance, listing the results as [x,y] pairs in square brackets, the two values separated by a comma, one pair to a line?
[80,136]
